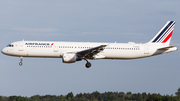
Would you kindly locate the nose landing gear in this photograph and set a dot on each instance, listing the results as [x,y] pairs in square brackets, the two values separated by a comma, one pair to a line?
[21,59]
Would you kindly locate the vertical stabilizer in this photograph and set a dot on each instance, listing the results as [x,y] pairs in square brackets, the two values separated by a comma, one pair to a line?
[164,35]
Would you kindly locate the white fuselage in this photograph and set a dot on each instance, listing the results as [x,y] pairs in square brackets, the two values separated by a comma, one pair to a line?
[56,49]
[71,52]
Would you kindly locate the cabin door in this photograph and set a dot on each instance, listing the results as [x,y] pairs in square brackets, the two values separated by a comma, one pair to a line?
[146,49]
[21,46]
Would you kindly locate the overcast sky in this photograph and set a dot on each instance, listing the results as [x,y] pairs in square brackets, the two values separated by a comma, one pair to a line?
[88,21]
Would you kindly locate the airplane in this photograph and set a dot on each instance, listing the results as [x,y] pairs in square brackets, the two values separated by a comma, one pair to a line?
[70,52]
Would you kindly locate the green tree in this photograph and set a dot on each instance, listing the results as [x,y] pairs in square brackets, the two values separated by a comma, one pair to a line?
[128,96]
[70,95]
[128,93]
[79,95]
[88,96]
[139,97]
[36,97]
[155,97]
[144,95]
[96,95]
[1,98]
[178,92]
[122,96]
[13,98]
[112,96]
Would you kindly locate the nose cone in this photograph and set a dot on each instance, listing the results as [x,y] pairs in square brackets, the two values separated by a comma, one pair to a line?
[4,51]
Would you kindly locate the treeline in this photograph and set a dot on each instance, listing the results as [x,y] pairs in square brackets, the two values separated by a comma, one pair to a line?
[96,96]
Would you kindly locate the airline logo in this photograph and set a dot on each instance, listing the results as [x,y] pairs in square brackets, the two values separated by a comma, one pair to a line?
[165,33]
[45,44]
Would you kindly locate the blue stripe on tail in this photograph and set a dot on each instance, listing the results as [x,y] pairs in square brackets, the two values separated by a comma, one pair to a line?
[162,32]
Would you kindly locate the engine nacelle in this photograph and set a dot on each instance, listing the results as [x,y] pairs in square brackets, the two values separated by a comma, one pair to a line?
[69,58]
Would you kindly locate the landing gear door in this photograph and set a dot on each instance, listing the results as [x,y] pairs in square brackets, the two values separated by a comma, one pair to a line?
[146,49]
[21,46]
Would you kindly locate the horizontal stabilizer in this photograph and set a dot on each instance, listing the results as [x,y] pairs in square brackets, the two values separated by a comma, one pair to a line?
[168,49]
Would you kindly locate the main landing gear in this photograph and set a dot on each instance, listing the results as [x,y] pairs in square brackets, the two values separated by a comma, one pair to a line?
[88,64]
[21,59]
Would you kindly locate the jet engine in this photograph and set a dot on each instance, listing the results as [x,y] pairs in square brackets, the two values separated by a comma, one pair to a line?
[69,58]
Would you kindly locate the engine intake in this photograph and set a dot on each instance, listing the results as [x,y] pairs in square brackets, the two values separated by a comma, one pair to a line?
[69,58]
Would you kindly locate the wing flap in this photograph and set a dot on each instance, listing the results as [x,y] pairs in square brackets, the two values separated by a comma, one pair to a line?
[89,53]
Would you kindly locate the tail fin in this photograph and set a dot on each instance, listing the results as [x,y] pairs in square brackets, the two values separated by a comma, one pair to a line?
[164,35]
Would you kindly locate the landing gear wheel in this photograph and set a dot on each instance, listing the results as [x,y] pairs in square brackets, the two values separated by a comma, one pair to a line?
[88,64]
[20,63]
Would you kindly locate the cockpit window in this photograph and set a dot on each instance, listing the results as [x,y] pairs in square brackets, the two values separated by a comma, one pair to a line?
[10,45]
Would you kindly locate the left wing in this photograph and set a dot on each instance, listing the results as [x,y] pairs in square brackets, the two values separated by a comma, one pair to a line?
[90,53]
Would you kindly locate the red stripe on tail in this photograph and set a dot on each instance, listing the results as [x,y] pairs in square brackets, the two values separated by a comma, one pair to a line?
[167,38]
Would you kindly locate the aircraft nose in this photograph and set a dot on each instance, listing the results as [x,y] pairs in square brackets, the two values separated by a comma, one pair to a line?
[3,51]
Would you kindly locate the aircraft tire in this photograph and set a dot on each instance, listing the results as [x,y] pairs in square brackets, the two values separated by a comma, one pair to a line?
[20,63]
[88,65]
